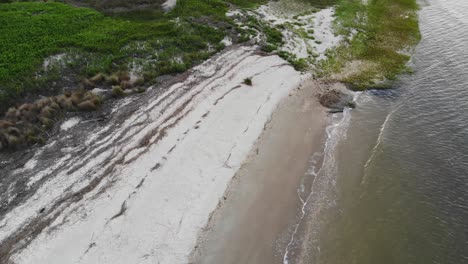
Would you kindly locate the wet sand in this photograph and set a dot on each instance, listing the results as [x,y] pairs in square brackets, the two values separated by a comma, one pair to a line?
[253,223]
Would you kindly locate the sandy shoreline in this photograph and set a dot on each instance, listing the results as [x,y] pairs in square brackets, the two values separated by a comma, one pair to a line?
[221,165]
[141,188]
[251,223]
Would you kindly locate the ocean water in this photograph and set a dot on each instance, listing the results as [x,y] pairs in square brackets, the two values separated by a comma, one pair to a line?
[394,188]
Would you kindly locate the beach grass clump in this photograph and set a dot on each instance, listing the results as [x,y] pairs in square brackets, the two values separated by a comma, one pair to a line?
[273,36]
[299,64]
[117,91]
[269,48]
[28,123]
[380,33]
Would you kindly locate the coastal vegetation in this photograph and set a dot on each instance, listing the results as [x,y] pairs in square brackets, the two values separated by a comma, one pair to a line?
[90,42]
[380,36]
[53,54]
[43,42]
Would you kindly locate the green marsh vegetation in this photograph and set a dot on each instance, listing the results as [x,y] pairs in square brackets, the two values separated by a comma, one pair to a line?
[87,47]
[46,47]
[91,42]
[381,34]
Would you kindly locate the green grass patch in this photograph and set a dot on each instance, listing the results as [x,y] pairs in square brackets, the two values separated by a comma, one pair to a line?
[298,64]
[273,38]
[195,8]
[322,3]
[248,3]
[93,42]
[382,30]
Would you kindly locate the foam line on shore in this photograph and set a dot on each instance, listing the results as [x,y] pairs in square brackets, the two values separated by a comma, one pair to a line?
[324,176]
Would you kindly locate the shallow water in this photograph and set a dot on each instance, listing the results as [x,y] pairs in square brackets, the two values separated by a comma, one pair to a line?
[394,189]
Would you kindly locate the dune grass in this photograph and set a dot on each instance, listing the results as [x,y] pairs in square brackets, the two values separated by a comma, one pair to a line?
[383,34]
